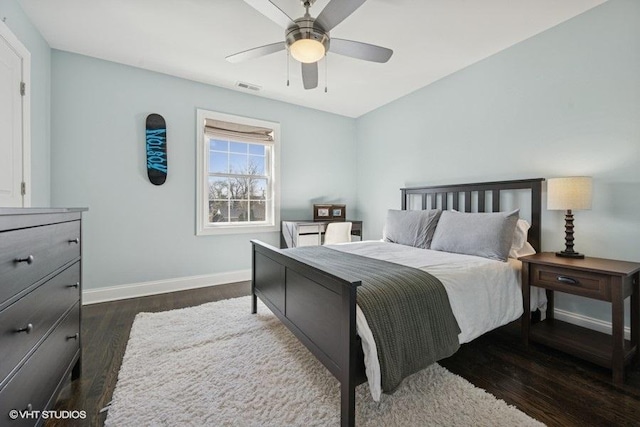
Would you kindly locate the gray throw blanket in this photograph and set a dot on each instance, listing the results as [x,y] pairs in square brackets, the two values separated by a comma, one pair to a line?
[407,310]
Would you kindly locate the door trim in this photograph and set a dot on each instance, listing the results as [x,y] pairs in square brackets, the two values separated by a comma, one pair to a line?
[25,57]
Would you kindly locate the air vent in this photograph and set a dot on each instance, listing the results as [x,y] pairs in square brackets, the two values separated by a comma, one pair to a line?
[248,86]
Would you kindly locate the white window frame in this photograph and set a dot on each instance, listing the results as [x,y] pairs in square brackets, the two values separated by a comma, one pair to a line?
[203,226]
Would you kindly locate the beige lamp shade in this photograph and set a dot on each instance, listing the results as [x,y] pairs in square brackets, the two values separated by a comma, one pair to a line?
[569,193]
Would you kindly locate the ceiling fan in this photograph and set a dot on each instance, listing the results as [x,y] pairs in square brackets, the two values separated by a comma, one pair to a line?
[308,40]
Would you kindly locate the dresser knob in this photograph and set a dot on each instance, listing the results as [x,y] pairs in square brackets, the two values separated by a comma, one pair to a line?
[29,260]
[75,285]
[26,329]
[76,241]
[73,337]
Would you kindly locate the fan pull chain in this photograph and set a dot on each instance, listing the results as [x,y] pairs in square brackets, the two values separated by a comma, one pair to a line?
[287,67]
[326,73]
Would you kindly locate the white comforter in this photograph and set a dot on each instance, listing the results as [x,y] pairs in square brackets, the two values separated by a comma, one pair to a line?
[484,294]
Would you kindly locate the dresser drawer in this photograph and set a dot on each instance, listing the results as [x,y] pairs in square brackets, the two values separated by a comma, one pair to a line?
[311,229]
[587,284]
[41,308]
[47,248]
[40,375]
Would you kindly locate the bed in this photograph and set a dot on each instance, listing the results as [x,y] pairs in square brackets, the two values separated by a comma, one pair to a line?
[318,303]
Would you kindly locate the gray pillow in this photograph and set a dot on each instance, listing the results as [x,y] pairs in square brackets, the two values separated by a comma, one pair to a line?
[411,228]
[488,235]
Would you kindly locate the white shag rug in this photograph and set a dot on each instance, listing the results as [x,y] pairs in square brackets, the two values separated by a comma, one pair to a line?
[217,364]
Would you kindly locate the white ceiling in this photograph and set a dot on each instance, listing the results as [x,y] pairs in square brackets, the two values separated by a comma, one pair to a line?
[191,38]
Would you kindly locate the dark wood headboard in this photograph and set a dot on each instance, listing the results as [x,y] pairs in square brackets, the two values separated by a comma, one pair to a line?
[462,195]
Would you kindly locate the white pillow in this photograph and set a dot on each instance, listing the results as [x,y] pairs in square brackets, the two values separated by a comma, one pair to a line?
[519,238]
[527,249]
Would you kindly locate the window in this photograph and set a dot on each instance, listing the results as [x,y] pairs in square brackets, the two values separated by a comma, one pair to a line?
[238,188]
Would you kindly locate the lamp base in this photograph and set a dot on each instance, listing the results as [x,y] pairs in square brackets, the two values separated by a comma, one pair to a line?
[566,254]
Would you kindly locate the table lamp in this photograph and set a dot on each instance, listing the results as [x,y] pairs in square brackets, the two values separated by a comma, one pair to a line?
[569,193]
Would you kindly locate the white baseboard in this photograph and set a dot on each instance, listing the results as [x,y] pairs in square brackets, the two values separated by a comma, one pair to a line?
[142,289]
[588,322]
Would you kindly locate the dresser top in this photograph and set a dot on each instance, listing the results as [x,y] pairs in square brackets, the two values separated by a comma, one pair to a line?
[16,218]
[35,211]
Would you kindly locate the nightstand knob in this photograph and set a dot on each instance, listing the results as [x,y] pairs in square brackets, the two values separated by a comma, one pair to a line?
[567,280]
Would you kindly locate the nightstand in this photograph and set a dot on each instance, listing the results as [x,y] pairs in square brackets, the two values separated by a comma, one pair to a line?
[597,278]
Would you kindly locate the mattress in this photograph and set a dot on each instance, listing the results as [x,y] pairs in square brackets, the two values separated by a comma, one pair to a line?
[484,294]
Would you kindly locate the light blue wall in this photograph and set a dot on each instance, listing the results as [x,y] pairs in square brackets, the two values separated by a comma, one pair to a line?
[566,102]
[136,231]
[40,90]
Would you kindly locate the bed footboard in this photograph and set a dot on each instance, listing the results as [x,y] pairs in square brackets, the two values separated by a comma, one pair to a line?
[319,307]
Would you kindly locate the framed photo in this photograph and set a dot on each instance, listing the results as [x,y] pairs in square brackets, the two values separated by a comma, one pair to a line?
[322,212]
[338,212]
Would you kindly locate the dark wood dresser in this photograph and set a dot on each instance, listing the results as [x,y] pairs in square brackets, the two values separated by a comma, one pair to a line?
[40,303]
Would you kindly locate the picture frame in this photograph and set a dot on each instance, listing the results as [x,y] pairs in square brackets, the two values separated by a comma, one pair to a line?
[338,212]
[322,212]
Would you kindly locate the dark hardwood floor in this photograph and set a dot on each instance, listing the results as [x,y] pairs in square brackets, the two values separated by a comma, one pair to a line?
[550,386]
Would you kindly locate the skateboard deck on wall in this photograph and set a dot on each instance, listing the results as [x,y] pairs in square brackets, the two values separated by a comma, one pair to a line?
[156,136]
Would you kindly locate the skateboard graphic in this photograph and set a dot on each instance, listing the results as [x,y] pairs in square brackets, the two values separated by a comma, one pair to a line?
[156,136]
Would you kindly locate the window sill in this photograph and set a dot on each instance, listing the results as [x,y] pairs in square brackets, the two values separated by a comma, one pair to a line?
[236,229]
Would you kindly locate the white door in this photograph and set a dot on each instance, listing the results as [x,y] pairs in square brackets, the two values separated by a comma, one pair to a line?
[11,123]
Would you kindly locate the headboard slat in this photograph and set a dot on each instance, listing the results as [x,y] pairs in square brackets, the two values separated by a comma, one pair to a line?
[467,201]
[495,201]
[481,194]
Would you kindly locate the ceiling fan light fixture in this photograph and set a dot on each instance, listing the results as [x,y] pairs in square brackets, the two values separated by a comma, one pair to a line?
[307,50]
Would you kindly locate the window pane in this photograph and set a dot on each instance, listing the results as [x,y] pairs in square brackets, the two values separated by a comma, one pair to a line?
[257,211]
[218,162]
[258,189]
[256,165]
[218,188]
[257,149]
[239,188]
[218,211]
[238,163]
[218,145]
[239,211]
[238,147]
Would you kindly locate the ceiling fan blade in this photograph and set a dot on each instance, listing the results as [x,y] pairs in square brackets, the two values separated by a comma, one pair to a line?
[256,52]
[368,52]
[271,11]
[310,75]
[336,12]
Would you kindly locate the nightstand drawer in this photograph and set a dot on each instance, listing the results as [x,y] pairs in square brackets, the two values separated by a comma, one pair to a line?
[587,284]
